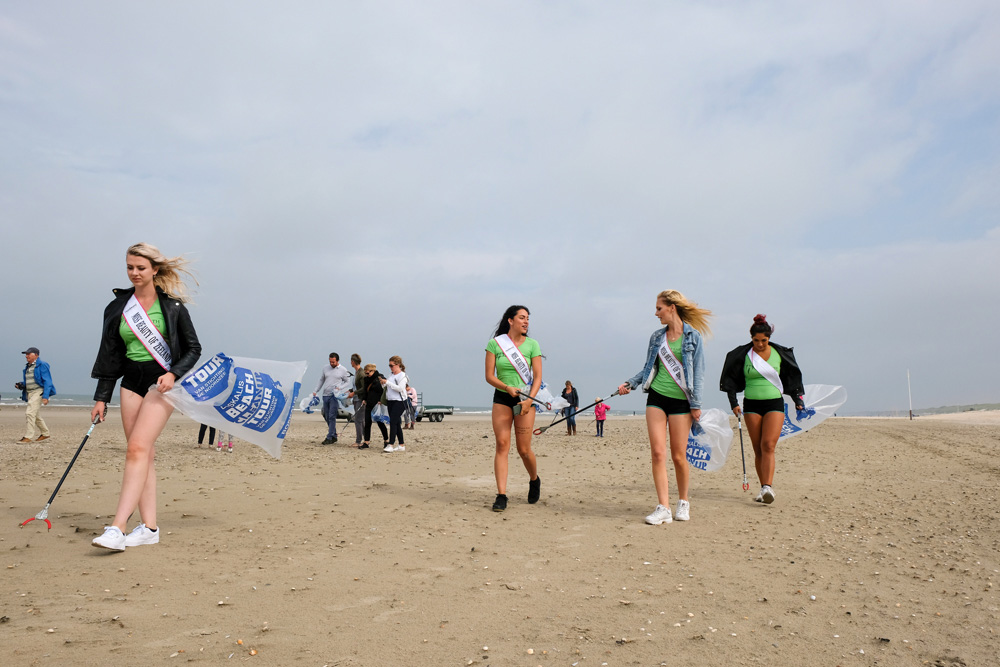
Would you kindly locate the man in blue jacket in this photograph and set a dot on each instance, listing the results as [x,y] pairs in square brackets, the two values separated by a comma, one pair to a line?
[36,389]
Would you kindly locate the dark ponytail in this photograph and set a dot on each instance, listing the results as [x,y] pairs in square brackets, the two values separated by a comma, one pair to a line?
[760,325]
[503,326]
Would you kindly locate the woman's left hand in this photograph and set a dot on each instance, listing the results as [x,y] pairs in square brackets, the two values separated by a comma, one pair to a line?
[382,380]
[165,383]
[696,414]
[526,405]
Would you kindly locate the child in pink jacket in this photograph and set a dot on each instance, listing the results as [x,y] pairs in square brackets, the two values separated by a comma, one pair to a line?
[600,413]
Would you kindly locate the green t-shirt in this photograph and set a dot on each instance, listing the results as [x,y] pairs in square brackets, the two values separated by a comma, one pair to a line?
[134,349]
[664,383]
[505,370]
[758,387]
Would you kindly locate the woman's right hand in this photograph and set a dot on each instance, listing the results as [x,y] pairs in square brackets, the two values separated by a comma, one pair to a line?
[737,411]
[98,412]
[512,391]
[623,389]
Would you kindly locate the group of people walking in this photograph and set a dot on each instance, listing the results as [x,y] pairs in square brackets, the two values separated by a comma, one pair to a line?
[368,390]
[672,377]
[149,342]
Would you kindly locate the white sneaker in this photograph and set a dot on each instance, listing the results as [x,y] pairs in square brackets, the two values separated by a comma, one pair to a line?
[389,449]
[141,535]
[683,511]
[660,515]
[399,448]
[766,494]
[760,496]
[112,538]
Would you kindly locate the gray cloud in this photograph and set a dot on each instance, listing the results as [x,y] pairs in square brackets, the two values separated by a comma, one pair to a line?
[388,178]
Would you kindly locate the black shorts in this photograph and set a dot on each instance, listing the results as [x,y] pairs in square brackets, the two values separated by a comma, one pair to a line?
[140,375]
[503,398]
[762,407]
[671,406]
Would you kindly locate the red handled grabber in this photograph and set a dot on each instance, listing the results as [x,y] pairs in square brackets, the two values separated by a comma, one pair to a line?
[44,514]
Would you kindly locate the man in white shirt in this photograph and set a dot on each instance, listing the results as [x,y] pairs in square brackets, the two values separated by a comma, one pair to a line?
[333,380]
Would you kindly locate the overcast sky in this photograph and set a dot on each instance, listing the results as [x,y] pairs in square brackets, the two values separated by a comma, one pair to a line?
[386,178]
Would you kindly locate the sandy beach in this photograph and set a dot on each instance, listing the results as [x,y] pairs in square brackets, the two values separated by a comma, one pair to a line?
[882,548]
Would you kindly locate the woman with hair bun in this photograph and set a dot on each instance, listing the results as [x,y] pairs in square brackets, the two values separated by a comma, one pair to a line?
[149,342]
[763,371]
[672,377]
[513,361]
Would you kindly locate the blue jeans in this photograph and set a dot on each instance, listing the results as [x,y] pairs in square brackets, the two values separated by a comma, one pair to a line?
[330,406]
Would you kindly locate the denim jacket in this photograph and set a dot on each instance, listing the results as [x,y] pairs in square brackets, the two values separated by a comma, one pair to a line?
[693,358]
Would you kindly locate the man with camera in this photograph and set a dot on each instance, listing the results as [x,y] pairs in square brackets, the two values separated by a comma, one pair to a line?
[36,389]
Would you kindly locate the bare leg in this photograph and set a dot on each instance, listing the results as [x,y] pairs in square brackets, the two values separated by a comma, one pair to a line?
[502,420]
[656,425]
[142,419]
[680,428]
[524,424]
[770,431]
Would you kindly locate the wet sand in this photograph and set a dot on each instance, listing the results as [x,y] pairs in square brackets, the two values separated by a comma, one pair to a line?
[882,548]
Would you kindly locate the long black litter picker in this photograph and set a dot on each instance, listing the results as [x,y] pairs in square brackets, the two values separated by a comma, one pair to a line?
[44,514]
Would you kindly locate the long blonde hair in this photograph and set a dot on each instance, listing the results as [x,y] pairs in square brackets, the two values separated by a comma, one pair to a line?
[687,310]
[169,270]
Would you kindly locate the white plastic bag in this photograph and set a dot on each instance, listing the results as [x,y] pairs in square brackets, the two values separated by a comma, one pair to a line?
[250,398]
[307,404]
[380,413]
[822,401]
[554,403]
[709,440]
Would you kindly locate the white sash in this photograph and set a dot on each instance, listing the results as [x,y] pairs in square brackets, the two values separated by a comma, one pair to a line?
[138,321]
[766,370]
[673,366]
[515,358]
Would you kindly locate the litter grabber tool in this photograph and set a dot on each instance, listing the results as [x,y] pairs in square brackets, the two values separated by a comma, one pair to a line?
[547,406]
[543,429]
[44,514]
[746,484]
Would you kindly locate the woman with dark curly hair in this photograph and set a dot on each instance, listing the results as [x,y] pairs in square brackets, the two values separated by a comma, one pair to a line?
[763,371]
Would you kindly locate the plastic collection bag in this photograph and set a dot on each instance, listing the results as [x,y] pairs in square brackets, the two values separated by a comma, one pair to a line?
[709,440]
[307,404]
[380,413]
[822,401]
[249,398]
[556,403]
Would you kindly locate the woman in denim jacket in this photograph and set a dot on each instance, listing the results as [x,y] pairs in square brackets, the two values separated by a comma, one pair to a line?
[672,407]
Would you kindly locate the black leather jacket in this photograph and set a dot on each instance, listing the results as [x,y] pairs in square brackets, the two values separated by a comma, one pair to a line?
[110,365]
[733,381]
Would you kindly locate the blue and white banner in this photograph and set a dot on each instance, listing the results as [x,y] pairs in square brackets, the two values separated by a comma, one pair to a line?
[709,440]
[822,401]
[249,398]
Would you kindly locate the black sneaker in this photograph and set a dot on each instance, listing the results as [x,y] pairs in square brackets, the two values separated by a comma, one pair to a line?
[500,504]
[363,445]
[328,441]
[534,490]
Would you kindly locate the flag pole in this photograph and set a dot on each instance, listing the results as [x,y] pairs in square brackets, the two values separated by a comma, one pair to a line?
[909,392]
